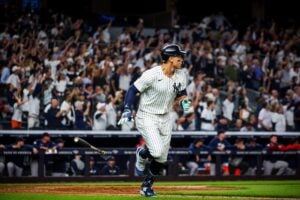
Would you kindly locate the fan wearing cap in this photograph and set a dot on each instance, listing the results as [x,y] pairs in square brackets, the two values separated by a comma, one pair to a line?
[14,79]
[159,87]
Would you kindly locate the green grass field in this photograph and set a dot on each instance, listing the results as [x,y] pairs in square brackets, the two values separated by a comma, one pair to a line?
[237,190]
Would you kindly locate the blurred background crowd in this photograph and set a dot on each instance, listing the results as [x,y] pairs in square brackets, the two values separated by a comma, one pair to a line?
[60,72]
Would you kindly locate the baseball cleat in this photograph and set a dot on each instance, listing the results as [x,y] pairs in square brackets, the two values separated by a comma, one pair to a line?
[147,192]
[140,163]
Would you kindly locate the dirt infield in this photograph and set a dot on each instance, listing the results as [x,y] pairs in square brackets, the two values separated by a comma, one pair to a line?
[121,190]
[95,190]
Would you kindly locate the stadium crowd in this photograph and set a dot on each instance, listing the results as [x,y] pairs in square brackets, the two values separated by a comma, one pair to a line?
[71,75]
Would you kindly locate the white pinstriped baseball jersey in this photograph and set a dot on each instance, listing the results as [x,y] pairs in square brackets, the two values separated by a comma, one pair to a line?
[158,91]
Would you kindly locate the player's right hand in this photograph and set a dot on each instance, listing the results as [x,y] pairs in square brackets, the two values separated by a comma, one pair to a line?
[126,116]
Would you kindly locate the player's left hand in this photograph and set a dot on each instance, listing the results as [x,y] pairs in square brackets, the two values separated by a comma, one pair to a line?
[186,105]
[126,116]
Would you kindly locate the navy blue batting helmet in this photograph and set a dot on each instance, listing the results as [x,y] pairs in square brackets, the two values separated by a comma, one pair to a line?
[171,50]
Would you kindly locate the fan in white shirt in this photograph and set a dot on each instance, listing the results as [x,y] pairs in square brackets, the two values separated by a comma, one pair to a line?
[14,79]
[111,113]
[195,86]
[100,118]
[279,119]
[244,113]
[106,63]
[16,120]
[265,118]
[124,78]
[69,114]
[61,84]
[53,66]
[34,111]
[27,91]
[208,117]
[228,107]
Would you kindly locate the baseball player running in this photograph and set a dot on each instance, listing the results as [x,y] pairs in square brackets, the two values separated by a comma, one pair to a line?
[159,88]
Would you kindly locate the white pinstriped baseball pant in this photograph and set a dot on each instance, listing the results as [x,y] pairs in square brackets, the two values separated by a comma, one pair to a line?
[156,131]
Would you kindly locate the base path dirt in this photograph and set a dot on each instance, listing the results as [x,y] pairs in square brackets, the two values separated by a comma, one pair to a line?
[90,190]
[121,190]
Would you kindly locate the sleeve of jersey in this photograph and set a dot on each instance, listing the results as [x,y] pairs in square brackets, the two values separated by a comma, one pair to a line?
[144,81]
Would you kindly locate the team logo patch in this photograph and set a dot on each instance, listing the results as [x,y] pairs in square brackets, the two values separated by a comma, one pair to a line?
[176,87]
